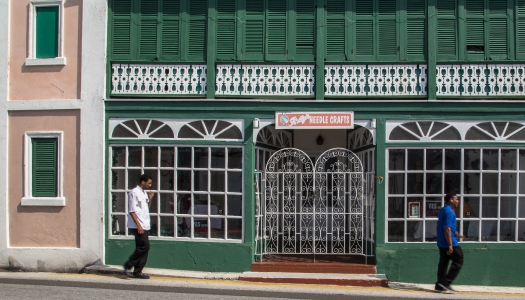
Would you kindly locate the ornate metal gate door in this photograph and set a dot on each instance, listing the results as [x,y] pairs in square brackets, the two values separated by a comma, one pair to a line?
[311,209]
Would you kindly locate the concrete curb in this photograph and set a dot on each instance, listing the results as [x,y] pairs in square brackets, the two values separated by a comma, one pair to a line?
[109,269]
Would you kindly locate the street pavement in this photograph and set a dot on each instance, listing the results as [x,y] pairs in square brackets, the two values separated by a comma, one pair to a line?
[21,285]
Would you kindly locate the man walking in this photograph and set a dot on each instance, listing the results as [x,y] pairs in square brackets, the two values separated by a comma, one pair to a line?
[139,203]
[447,242]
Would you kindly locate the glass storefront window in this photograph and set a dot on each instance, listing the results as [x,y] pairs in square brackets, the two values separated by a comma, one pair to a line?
[490,183]
[198,190]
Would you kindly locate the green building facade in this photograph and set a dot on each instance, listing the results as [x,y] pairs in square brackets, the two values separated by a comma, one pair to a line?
[436,89]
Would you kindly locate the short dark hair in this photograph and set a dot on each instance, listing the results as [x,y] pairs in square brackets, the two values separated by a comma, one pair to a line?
[448,197]
[144,178]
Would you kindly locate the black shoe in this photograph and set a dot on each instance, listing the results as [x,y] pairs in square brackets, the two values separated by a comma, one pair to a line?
[438,288]
[141,276]
[127,271]
[446,288]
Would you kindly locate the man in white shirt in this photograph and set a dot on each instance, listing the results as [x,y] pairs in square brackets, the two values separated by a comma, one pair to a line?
[139,203]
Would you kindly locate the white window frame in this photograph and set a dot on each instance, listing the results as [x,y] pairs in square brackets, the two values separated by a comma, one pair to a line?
[28,199]
[31,59]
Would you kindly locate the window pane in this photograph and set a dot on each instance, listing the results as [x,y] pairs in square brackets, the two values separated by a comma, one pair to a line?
[522,160]
[201,227]
[396,160]
[217,181]
[415,207]
[396,207]
[415,159]
[489,230]
[471,183]
[452,159]
[154,225]
[184,157]
[235,182]
[218,158]
[415,183]
[166,180]
[490,159]
[167,226]
[133,178]
[166,203]
[433,205]
[183,180]
[471,230]
[200,179]
[507,231]
[135,156]
[521,231]
[200,157]
[396,183]
[118,180]
[151,156]
[434,184]
[490,183]
[508,183]
[508,159]
[472,159]
[453,183]
[235,159]
[154,208]
[217,228]
[235,229]
[489,207]
[183,204]
[46,31]
[430,231]
[200,204]
[234,205]
[414,231]
[118,202]
[470,207]
[396,231]
[434,159]
[183,227]
[118,156]
[118,225]
[507,207]
[217,205]
[154,178]
[521,208]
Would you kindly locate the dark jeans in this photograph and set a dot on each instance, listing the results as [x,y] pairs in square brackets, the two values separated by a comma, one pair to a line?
[139,258]
[457,261]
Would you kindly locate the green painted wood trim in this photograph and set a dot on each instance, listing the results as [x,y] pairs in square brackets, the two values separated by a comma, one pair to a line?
[175,142]
[432,49]
[249,189]
[211,49]
[320,50]
[380,185]
[462,144]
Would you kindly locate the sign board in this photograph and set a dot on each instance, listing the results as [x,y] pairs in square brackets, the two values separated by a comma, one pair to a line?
[314,120]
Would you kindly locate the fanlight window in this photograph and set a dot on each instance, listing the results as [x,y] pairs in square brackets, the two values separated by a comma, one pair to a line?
[210,130]
[274,137]
[425,131]
[496,131]
[359,138]
[143,129]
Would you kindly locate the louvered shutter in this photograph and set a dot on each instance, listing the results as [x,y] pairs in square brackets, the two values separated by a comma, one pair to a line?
[387,40]
[447,31]
[254,31]
[304,30]
[475,26]
[520,29]
[416,33]
[364,30]
[498,32]
[226,30]
[276,30]
[336,35]
[121,30]
[170,30]
[149,14]
[44,167]
[198,11]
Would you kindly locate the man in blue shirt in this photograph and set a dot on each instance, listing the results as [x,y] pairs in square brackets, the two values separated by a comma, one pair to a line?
[447,242]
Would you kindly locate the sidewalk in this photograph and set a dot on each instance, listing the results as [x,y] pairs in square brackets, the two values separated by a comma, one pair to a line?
[402,286]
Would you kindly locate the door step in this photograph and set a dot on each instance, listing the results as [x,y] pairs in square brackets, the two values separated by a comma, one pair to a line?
[317,278]
[318,267]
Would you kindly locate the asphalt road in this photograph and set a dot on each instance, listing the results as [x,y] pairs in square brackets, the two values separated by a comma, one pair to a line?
[84,286]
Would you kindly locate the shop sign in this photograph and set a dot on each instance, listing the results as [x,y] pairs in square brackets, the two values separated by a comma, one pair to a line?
[314,120]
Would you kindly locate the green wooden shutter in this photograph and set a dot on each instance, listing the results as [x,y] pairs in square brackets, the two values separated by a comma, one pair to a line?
[44,167]
[336,41]
[387,39]
[46,35]
[498,32]
[226,30]
[276,32]
[197,31]
[416,33]
[121,30]
[170,30]
[253,48]
[447,30]
[149,14]
[305,30]
[475,29]
[520,29]
[364,30]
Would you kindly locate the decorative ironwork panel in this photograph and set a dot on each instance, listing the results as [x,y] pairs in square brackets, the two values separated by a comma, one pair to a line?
[313,209]
[264,80]
[375,80]
[480,80]
[134,79]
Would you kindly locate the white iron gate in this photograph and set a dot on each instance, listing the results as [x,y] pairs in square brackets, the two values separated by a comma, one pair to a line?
[302,208]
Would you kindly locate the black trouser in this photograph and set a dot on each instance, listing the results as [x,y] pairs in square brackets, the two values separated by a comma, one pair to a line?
[457,261]
[139,258]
